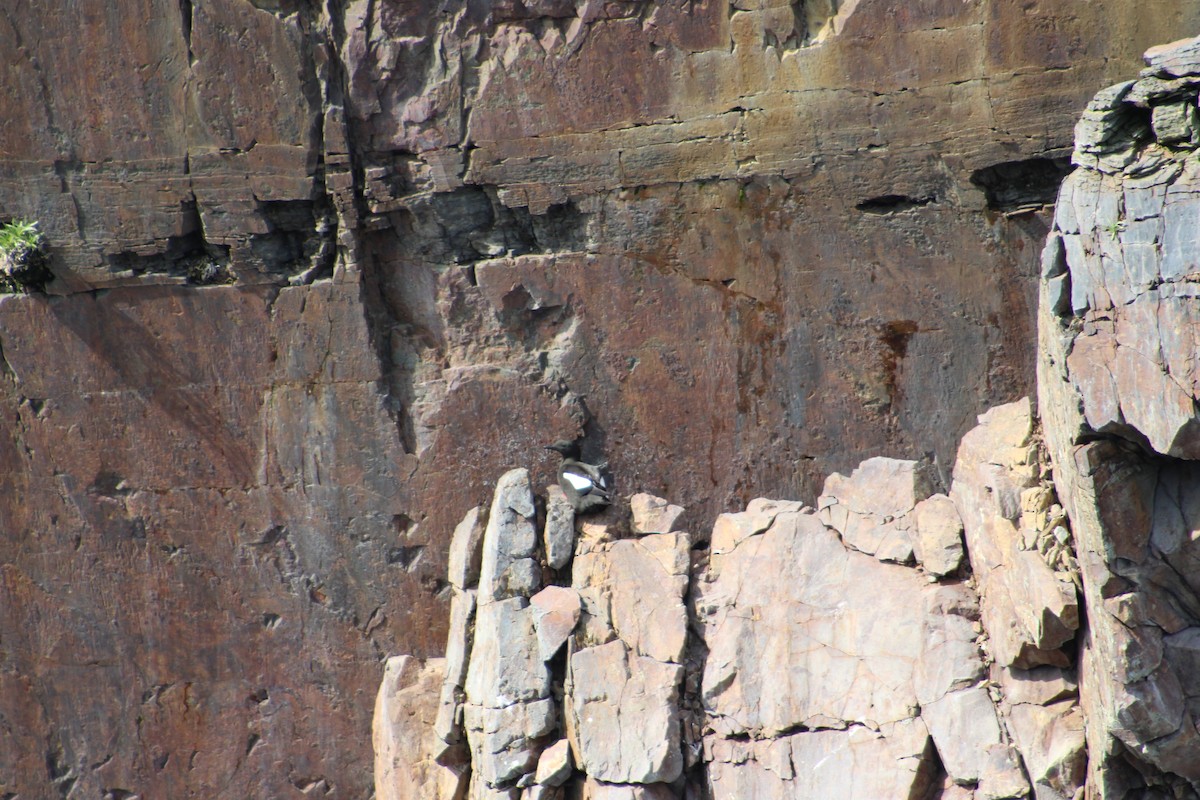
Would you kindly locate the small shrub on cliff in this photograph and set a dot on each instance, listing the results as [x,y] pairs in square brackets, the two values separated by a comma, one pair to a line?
[22,257]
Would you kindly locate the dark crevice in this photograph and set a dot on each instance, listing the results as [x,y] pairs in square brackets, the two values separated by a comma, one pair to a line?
[893,203]
[1014,185]
[187,255]
[185,10]
[300,239]
[470,224]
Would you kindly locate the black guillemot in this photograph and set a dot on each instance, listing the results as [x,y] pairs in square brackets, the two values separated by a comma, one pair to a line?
[585,485]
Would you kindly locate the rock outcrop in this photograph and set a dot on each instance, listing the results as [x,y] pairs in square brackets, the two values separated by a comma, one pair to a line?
[1118,399]
[775,658]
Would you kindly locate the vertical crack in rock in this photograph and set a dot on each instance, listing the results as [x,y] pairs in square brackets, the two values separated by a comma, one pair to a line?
[185,14]
[1118,392]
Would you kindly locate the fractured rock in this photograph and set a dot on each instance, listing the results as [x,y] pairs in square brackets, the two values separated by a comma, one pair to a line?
[965,729]
[634,589]
[857,762]
[507,709]
[465,551]
[556,612]
[506,667]
[871,508]
[938,542]
[1051,741]
[599,790]
[626,715]
[402,734]
[508,567]
[1118,387]
[653,514]
[555,765]
[730,529]
[558,536]
[458,654]
[806,645]
[1028,610]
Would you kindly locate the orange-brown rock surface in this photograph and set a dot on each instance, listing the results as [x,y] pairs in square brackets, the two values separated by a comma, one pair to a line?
[324,272]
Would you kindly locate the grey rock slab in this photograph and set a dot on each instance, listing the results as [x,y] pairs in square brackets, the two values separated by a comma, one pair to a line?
[732,528]
[626,710]
[558,535]
[503,741]
[465,551]
[506,667]
[509,542]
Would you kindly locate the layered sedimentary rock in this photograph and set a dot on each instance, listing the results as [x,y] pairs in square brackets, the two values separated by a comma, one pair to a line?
[1117,394]
[325,270]
[799,665]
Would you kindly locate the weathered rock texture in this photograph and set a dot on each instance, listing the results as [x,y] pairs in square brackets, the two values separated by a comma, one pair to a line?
[325,270]
[800,665]
[1118,394]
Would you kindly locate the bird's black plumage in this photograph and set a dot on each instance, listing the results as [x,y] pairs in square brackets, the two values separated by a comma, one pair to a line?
[586,486]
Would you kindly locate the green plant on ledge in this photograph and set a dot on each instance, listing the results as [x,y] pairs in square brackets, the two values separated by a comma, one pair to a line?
[22,257]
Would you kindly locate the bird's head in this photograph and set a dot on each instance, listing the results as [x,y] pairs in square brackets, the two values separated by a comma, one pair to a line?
[565,448]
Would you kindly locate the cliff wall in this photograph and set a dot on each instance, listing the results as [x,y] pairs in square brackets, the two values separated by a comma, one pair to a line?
[324,272]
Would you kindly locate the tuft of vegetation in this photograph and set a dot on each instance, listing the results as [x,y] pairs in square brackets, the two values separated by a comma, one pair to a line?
[23,266]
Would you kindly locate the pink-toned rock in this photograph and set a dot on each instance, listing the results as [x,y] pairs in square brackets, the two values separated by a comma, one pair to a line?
[556,612]
[402,735]
[626,710]
[872,508]
[1029,611]
[653,514]
[857,762]
[555,765]
[938,543]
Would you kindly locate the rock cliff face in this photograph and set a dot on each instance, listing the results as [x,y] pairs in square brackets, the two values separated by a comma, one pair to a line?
[1118,395]
[324,272]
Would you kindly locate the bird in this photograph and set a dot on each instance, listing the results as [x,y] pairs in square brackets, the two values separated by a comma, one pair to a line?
[585,485]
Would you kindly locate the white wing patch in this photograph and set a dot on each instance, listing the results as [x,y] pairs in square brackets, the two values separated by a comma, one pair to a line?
[578,482]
